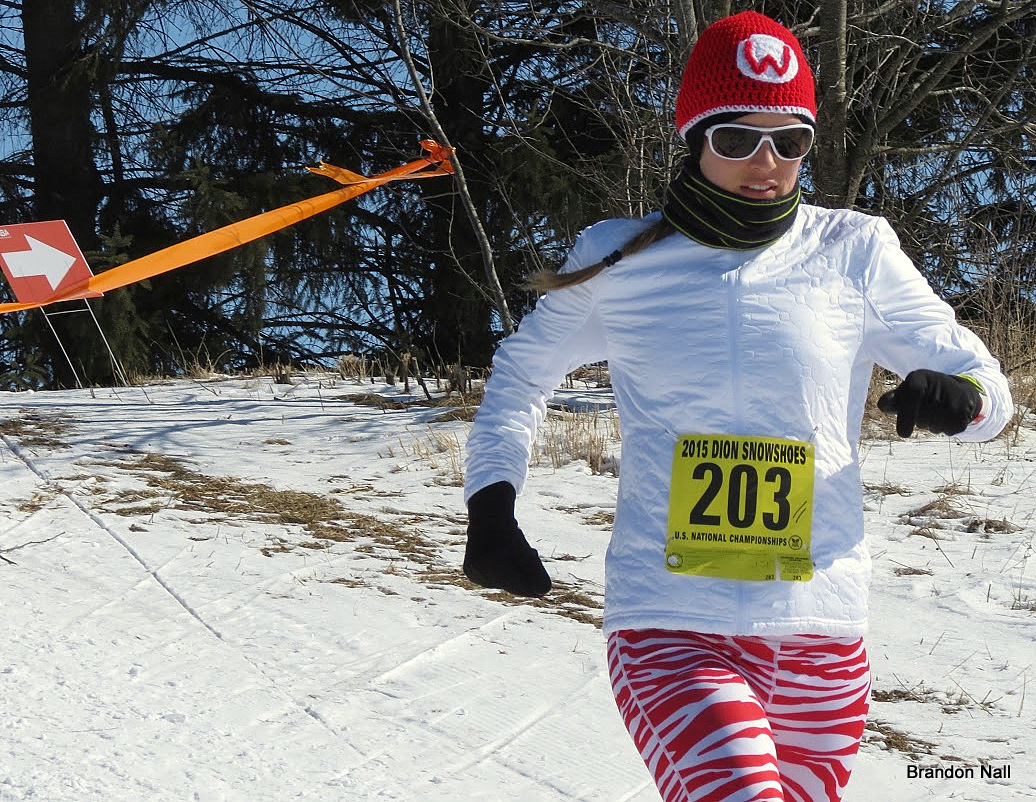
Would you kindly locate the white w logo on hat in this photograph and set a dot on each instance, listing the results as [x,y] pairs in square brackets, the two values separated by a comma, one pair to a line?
[767,58]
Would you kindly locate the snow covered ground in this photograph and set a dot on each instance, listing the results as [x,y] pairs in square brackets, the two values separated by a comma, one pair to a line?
[238,590]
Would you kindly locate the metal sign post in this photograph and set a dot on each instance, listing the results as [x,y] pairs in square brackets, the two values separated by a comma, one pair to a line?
[120,374]
[39,259]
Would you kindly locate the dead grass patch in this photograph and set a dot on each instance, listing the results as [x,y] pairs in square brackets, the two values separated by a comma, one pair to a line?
[466,414]
[567,558]
[375,400]
[876,425]
[588,436]
[950,702]
[991,525]
[441,451]
[1023,602]
[349,583]
[897,695]
[886,488]
[597,518]
[904,570]
[184,488]
[596,375]
[391,536]
[565,599]
[39,500]
[136,502]
[939,508]
[465,403]
[325,520]
[887,737]
[31,428]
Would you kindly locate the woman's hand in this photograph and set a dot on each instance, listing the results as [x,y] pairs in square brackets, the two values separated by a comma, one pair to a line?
[497,554]
[939,402]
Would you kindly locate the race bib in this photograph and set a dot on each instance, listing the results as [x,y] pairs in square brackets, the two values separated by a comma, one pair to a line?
[741,508]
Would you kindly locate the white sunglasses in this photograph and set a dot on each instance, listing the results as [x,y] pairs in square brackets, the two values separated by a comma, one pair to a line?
[738,142]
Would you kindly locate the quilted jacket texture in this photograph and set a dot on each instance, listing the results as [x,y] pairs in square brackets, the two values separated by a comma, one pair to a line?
[777,342]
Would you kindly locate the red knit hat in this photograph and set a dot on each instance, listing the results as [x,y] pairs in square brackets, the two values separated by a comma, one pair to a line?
[745,63]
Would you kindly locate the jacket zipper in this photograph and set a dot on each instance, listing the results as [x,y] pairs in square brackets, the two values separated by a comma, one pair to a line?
[737,399]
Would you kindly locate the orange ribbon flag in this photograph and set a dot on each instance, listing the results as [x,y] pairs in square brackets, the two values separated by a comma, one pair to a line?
[235,234]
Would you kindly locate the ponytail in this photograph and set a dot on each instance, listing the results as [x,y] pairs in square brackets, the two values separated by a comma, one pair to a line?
[545,280]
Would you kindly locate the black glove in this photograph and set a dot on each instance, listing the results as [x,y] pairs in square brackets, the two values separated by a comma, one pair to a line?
[939,402]
[497,554]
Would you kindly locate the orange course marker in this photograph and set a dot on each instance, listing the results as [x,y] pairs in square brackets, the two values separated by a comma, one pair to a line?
[231,236]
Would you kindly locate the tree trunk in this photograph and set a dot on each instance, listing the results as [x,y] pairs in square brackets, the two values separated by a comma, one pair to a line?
[456,297]
[831,172]
[65,181]
[686,25]
[58,85]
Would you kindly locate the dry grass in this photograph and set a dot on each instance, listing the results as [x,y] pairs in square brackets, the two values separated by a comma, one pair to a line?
[33,429]
[570,436]
[439,450]
[1023,392]
[39,500]
[591,375]
[565,599]
[992,525]
[375,400]
[925,531]
[466,414]
[354,366]
[183,488]
[905,570]
[460,407]
[887,737]
[1023,602]
[323,519]
[388,535]
[599,518]
[886,489]
[876,425]
[940,508]
[950,702]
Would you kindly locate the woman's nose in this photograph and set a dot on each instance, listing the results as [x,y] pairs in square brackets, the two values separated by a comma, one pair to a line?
[764,157]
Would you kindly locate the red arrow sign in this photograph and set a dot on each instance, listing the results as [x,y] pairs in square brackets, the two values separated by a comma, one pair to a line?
[39,259]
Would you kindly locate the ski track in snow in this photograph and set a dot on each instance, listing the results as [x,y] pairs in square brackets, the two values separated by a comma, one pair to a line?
[162,655]
[101,525]
[152,574]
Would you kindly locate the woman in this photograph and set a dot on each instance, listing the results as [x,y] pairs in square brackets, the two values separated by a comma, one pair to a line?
[740,327]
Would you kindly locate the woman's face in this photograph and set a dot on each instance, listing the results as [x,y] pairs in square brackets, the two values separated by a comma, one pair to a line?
[762,176]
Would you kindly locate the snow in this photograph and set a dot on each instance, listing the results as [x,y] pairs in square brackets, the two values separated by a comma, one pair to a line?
[233,589]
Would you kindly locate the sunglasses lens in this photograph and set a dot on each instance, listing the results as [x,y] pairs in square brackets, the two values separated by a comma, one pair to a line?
[734,143]
[740,142]
[794,143]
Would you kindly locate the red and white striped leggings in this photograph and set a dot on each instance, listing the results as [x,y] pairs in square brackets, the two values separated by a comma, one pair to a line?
[742,719]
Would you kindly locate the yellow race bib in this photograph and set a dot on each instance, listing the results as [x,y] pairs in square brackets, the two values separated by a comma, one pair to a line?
[741,508]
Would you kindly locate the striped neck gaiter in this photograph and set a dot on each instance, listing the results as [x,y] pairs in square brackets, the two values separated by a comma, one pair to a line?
[707,214]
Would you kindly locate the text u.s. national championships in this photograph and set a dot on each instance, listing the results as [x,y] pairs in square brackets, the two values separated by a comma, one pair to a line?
[988,771]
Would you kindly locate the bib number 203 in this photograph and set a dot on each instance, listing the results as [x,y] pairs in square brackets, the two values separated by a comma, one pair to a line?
[743,496]
[740,507]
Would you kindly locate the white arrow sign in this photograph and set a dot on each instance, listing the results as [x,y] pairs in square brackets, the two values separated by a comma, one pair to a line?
[40,260]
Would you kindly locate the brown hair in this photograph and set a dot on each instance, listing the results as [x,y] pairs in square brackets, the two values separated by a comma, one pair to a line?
[546,280]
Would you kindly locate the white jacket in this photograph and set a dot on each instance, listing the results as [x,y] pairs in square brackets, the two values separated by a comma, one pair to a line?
[777,342]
